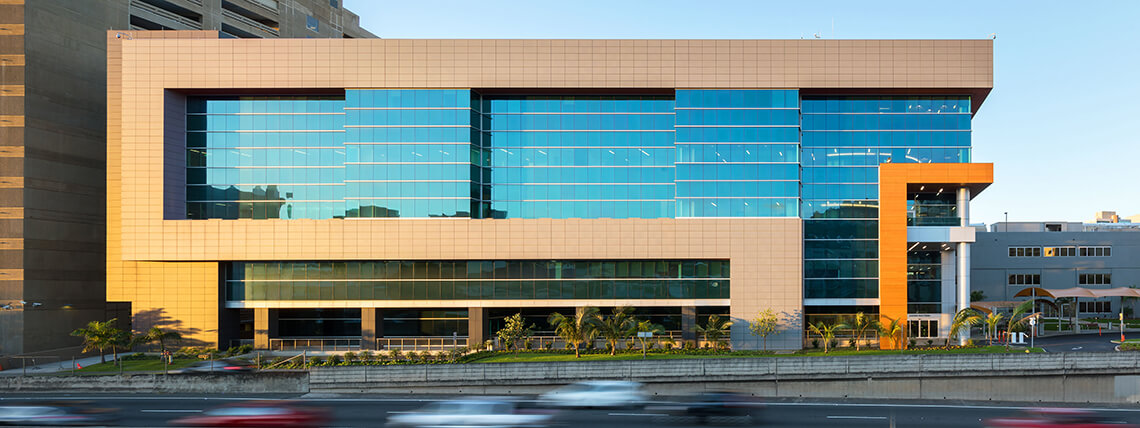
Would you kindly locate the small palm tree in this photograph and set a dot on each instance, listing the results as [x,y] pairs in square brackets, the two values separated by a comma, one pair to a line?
[715,329]
[893,330]
[159,335]
[860,324]
[962,322]
[576,330]
[826,332]
[992,321]
[617,327]
[99,335]
[1017,318]
[647,327]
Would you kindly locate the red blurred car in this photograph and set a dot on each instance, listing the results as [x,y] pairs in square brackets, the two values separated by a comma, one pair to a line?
[1052,418]
[256,414]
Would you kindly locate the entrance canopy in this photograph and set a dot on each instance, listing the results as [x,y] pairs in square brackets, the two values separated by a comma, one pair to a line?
[1079,292]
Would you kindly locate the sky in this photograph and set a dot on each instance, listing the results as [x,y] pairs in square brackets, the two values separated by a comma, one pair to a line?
[1062,139]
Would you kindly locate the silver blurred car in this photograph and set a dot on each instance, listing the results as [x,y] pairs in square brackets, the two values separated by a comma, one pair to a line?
[52,415]
[599,393]
[472,413]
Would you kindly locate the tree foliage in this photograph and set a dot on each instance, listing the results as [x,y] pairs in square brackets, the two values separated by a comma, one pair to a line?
[515,330]
[764,325]
[576,330]
[618,326]
[100,335]
[715,330]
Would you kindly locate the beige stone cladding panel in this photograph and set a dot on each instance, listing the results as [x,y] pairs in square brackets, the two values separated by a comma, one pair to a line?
[182,297]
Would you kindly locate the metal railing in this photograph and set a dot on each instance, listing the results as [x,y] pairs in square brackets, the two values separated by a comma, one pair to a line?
[315,344]
[420,343]
[167,15]
[239,18]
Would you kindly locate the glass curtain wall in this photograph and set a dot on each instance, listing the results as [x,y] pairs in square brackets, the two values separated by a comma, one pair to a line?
[463,280]
[579,156]
[265,157]
[738,153]
[409,153]
[844,141]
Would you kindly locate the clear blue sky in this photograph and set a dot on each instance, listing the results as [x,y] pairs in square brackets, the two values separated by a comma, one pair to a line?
[1058,126]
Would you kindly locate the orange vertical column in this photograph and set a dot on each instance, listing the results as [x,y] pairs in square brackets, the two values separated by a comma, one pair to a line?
[892,249]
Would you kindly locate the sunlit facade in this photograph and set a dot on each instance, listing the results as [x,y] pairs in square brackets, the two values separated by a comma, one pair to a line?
[378,204]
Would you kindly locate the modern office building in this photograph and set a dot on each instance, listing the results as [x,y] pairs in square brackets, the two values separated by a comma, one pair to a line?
[1012,257]
[53,59]
[366,191]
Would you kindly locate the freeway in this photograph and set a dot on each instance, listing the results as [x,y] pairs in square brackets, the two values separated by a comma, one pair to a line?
[371,411]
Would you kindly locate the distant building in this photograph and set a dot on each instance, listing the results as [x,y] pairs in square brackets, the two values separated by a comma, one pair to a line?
[53,132]
[1054,255]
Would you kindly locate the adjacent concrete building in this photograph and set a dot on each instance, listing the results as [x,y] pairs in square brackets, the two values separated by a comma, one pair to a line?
[53,60]
[368,193]
[1011,257]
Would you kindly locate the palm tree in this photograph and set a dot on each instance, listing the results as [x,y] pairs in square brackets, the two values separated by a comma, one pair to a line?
[861,323]
[618,326]
[99,335]
[649,327]
[992,320]
[962,322]
[893,330]
[1017,317]
[714,329]
[826,332]
[576,330]
[159,335]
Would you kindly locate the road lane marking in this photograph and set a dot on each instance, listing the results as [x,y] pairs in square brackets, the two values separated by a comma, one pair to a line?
[169,411]
[857,417]
[639,414]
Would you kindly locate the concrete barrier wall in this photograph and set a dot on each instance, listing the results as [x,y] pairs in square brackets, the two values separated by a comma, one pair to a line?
[731,369]
[1076,378]
[1088,377]
[269,382]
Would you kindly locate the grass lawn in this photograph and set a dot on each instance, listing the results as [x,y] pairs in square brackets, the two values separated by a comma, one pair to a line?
[133,366]
[558,356]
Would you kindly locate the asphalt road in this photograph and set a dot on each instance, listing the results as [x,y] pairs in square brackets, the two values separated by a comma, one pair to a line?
[1080,342]
[354,411]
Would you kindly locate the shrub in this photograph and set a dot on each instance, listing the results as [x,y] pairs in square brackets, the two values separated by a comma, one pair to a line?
[395,355]
[667,345]
[834,344]
[245,349]
[548,345]
[413,356]
[815,343]
[364,356]
[335,360]
[929,342]
[851,343]
[316,361]
[630,345]
[1130,346]
[528,344]
[349,357]
[910,343]
[276,360]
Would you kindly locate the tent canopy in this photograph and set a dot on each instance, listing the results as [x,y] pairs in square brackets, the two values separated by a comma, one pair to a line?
[1079,292]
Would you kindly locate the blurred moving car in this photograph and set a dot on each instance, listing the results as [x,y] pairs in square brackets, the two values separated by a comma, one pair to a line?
[1050,418]
[217,366]
[56,415]
[257,414]
[602,393]
[472,413]
[712,404]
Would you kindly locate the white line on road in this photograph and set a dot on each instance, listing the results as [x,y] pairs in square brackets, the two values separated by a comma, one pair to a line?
[639,414]
[169,411]
[856,417]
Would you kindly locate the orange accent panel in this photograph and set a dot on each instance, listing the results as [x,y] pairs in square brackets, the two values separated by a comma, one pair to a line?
[893,181]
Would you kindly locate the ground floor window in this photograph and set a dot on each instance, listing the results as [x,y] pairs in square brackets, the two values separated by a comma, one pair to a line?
[922,328]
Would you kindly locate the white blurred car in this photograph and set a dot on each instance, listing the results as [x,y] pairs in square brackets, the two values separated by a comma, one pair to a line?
[471,413]
[602,393]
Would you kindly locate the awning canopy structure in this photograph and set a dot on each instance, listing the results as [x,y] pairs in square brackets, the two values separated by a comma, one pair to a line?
[1079,292]
[990,307]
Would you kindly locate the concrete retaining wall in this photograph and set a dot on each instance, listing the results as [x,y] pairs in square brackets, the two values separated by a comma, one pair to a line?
[1076,378]
[1088,377]
[269,382]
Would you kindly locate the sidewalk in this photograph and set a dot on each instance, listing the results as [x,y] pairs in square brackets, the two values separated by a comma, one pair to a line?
[46,365]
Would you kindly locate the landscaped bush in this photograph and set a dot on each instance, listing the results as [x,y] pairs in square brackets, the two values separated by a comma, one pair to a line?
[335,360]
